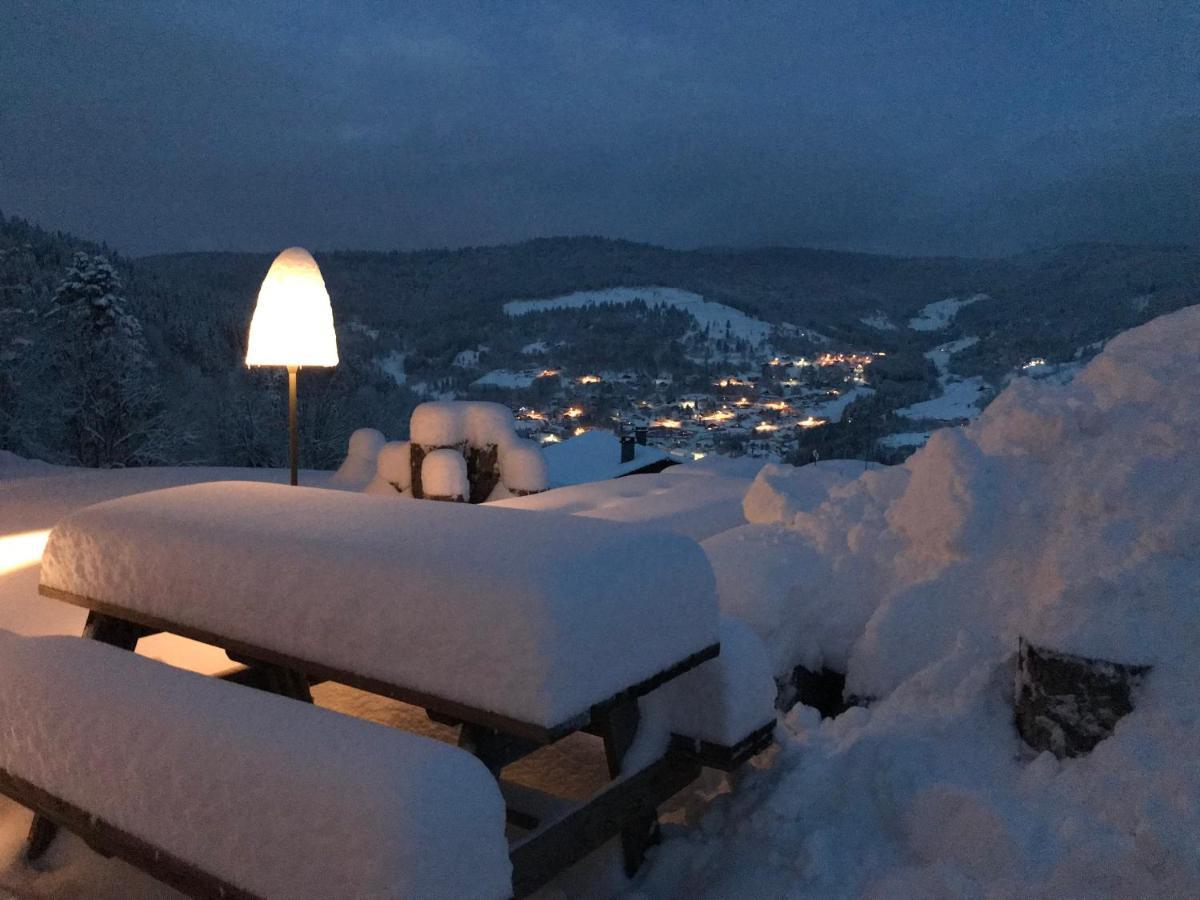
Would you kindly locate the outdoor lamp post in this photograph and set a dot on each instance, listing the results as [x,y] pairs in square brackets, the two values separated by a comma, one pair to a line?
[292,327]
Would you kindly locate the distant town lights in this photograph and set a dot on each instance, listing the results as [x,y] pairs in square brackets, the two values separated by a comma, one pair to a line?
[573,412]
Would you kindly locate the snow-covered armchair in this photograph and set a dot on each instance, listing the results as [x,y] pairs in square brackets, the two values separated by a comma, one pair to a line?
[469,451]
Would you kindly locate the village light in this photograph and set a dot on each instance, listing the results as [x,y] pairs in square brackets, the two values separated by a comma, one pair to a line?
[292,327]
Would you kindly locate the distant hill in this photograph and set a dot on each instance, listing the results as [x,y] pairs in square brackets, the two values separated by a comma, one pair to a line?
[428,306]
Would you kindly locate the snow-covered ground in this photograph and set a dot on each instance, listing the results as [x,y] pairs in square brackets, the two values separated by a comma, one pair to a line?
[961,398]
[905,439]
[833,409]
[716,317]
[507,378]
[1065,513]
[879,321]
[393,366]
[939,314]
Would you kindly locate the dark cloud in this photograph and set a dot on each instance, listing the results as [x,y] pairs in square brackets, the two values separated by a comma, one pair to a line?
[912,128]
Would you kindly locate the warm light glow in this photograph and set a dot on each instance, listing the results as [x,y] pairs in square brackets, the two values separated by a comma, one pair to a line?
[573,412]
[810,422]
[667,423]
[293,321]
[532,414]
[580,430]
[687,404]
[721,415]
[1034,363]
[778,406]
[698,455]
[19,551]
[841,359]
[547,373]
[550,439]
[590,379]
[742,401]
[766,426]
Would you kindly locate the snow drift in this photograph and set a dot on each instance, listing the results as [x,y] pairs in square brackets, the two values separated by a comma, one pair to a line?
[1067,514]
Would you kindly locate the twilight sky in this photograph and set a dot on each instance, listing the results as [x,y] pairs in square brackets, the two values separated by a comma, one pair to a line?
[904,127]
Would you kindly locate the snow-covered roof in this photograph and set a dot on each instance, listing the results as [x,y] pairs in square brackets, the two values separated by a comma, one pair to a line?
[595,456]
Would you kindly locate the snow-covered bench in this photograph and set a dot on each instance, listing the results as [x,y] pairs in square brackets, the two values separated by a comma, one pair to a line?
[522,627]
[223,791]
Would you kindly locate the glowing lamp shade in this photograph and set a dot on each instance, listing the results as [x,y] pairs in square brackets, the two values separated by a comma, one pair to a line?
[293,321]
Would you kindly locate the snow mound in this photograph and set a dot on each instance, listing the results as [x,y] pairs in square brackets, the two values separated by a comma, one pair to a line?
[780,492]
[723,700]
[395,464]
[362,456]
[524,467]
[1068,514]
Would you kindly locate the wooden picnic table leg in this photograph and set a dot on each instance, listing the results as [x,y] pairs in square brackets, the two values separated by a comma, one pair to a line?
[117,633]
[619,726]
[493,748]
[271,678]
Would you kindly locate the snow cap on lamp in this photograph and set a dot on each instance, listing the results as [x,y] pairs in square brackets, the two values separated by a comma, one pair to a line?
[293,321]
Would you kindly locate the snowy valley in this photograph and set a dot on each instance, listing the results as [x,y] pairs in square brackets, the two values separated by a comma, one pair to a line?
[1064,515]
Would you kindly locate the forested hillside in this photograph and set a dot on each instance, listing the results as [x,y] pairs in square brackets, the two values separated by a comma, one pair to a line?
[424,308]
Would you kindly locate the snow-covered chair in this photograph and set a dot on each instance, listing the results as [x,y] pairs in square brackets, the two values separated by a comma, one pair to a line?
[223,791]
[521,627]
[483,435]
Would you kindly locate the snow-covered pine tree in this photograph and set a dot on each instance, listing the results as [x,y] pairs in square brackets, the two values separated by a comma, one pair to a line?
[110,408]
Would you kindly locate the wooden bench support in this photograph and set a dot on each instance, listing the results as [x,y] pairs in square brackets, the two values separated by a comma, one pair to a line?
[565,841]
[271,678]
[108,840]
[618,726]
[495,749]
[719,756]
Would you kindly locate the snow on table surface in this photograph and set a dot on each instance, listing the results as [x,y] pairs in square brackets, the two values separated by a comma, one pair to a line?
[533,616]
[33,496]
[281,798]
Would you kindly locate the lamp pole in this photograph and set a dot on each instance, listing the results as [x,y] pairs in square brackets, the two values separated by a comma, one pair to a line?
[293,433]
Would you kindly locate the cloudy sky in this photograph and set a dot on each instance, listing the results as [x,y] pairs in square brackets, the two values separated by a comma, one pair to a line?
[958,127]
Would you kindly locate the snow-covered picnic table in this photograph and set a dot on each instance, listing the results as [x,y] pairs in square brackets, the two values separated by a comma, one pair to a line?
[533,618]
[520,627]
